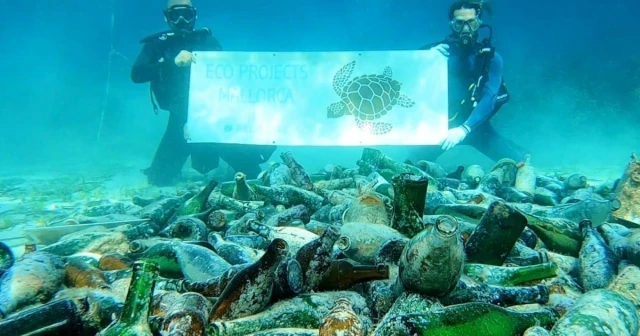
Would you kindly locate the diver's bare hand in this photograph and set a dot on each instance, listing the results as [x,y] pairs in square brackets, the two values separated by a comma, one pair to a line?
[443,49]
[184,59]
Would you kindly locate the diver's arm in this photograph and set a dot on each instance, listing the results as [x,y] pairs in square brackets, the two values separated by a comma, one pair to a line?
[147,65]
[486,107]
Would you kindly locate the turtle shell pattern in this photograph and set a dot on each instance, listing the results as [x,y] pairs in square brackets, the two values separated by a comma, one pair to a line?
[369,97]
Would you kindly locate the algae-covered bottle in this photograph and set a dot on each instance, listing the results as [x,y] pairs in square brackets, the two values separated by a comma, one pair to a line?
[496,234]
[410,194]
[343,274]
[135,312]
[478,319]
[431,263]
[197,203]
[509,276]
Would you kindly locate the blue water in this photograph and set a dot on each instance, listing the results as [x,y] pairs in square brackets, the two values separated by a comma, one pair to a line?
[572,68]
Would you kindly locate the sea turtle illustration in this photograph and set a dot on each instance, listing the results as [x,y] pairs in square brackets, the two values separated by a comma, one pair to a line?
[367,97]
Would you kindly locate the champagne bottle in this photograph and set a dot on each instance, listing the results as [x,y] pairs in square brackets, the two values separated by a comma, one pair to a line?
[497,233]
[134,315]
[478,319]
[509,276]
[343,274]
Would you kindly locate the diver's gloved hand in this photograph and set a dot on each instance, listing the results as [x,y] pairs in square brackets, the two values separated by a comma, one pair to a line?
[443,49]
[184,59]
[454,137]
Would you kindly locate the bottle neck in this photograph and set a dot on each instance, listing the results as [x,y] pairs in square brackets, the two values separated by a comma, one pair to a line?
[138,301]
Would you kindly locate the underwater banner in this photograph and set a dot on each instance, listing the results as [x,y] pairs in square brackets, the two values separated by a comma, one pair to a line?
[319,98]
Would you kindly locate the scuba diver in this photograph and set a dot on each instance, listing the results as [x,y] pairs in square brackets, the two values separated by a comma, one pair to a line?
[164,62]
[476,87]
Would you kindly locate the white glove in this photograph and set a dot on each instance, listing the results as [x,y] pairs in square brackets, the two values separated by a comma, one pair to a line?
[454,137]
[443,49]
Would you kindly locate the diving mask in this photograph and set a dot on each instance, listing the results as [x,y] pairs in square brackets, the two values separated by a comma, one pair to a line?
[180,15]
[472,25]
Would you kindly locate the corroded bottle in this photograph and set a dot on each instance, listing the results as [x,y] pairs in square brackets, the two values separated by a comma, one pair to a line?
[315,258]
[623,241]
[343,274]
[598,263]
[498,295]
[432,261]
[135,313]
[250,290]
[187,316]
[495,235]
[558,234]
[478,319]
[302,311]
[603,309]
[410,195]
[341,320]
[509,276]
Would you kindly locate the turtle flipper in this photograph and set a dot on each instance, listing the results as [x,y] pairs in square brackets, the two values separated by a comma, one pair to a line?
[374,127]
[341,77]
[405,101]
[336,110]
[388,72]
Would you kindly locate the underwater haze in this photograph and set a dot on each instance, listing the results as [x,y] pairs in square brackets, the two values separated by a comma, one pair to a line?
[572,68]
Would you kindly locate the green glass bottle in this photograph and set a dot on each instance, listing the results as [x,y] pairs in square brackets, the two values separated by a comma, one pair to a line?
[509,276]
[477,319]
[134,317]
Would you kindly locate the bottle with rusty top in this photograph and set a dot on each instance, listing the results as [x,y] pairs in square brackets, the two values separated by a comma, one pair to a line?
[343,274]
[432,261]
[250,290]
[80,274]
[496,234]
[187,316]
[135,313]
[342,320]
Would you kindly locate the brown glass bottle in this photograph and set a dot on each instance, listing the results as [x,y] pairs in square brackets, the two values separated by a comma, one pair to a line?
[343,274]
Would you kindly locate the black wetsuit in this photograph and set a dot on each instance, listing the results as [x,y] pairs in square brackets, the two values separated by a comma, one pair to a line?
[170,86]
[464,70]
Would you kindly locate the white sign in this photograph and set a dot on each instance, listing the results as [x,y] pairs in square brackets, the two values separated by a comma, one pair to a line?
[319,98]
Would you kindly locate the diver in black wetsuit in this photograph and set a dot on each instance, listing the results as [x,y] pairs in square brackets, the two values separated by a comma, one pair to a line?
[476,88]
[164,61]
